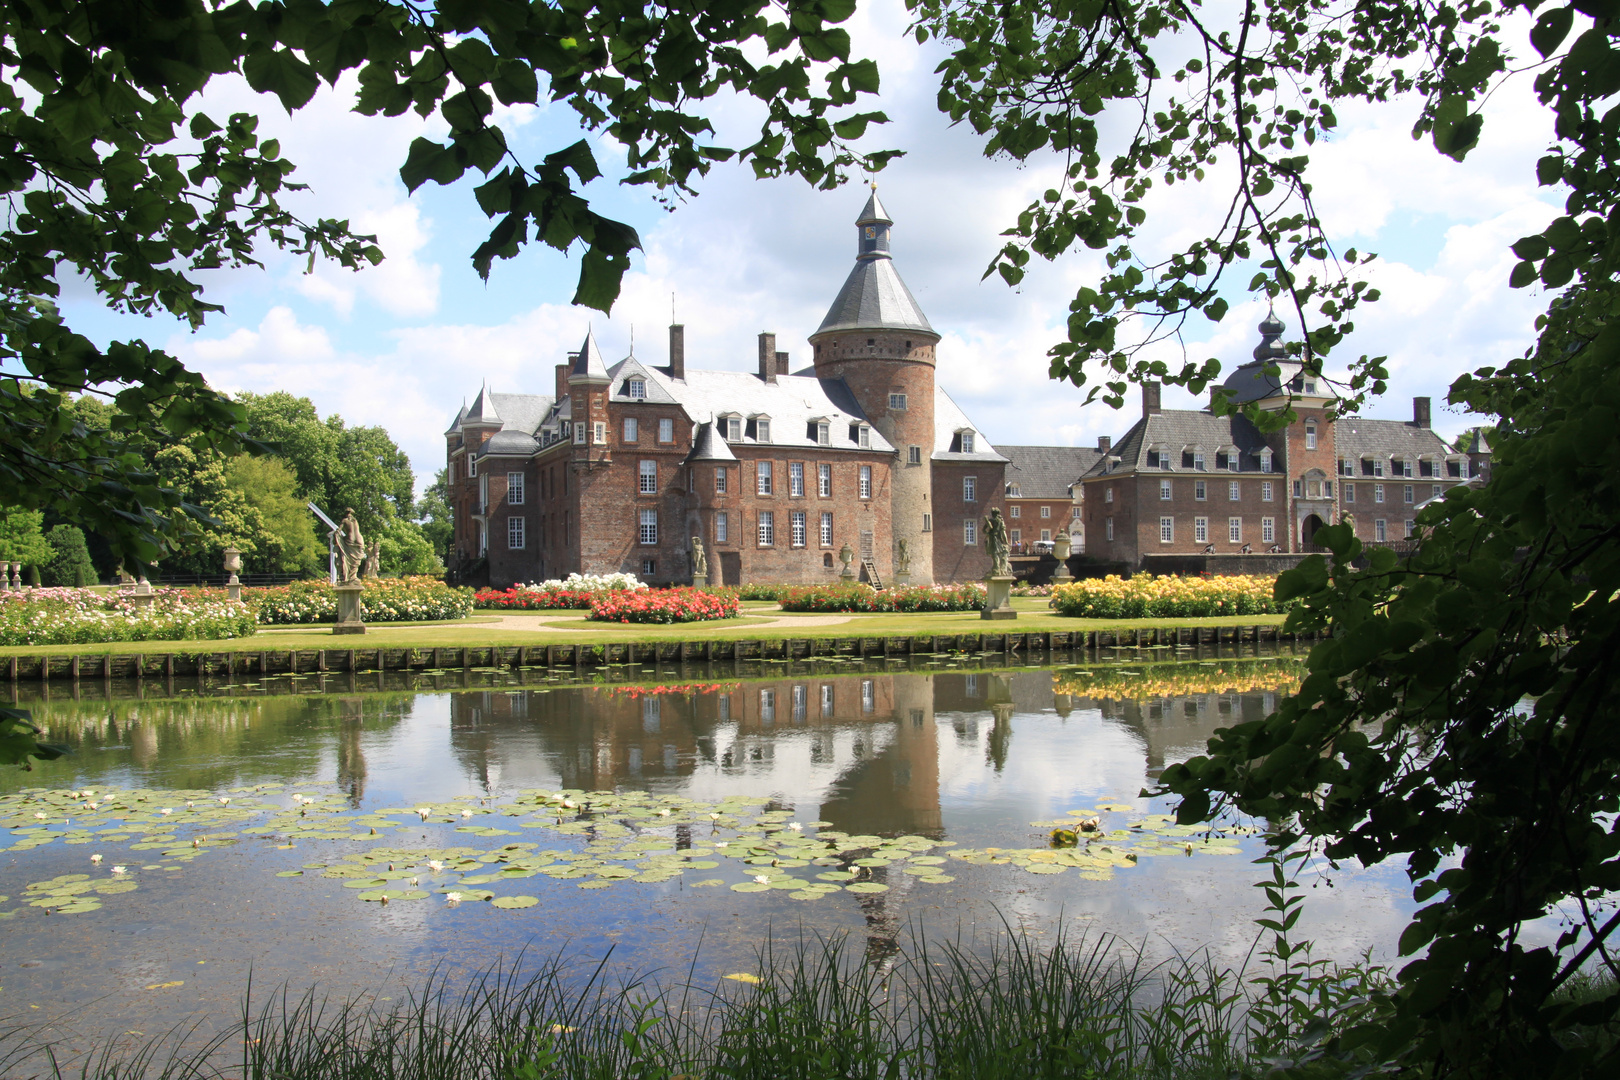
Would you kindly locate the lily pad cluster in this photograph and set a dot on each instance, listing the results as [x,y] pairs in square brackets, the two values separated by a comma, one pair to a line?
[74,894]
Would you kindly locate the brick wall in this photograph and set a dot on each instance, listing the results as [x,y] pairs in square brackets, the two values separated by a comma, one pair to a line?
[954,558]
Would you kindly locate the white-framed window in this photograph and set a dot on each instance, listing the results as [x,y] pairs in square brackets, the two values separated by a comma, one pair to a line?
[1234,530]
[767,529]
[1164,490]
[649,567]
[1015,511]
[1349,492]
[767,706]
[1265,491]
[970,532]
[1200,530]
[801,701]
[720,479]
[1378,493]
[928,523]
[1074,512]
[970,489]
[824,481]
[866,481]
[1108,494]
[913,455]
[666,430]
[1233,461]
[827,700]
[1265,460]
[472,467]
[1436,491]
[1198,461]
[897,401]
[824,434]
[599,432]
[1108,529]
[967,442]
[632,429]
[1232,491]
[1268,530]
[517,533]
[1200,490]
[1380,530]
[1016,535]
[1411,528]
[648,531]
[731,429]
[1327,488]
[579,433]
[764,486]
[1310,436]
[637,388]
[863,436]
[1046,511]
[515,493]
[1167,530]
[722,528]
[796,478]
[796,528]
[1408,493]
[826,528]
[1046,536]
[648,478]
[1406,467]
[1299,489]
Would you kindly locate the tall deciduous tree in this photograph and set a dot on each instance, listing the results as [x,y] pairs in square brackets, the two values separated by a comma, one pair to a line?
[114,175]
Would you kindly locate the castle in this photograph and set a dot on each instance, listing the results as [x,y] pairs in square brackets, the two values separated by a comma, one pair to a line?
[777,472]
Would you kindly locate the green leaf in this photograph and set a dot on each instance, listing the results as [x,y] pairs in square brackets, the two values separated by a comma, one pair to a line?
[279,72]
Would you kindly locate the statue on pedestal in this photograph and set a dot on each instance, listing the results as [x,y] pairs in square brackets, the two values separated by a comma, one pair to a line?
[700,562]
[373,567]
[350,547]
[995,542]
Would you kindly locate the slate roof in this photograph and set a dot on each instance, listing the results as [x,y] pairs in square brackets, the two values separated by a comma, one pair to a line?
[1356,438]
[949,419]
[455,425]
[482,410]
[873,297]
[873,213]
[1176,430]
[654,391]
[1046,472]
[1474,443]
[707,445]
[588,362]
[521,416]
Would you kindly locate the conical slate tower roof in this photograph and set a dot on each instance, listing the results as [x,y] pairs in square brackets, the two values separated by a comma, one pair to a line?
[588,364]
[483,409]
[707,445]
[873,296]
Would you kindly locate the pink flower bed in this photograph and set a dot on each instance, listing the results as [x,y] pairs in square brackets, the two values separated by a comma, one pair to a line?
[663,606]
[533,599]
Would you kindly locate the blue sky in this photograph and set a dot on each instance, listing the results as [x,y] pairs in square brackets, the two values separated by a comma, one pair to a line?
[401,345]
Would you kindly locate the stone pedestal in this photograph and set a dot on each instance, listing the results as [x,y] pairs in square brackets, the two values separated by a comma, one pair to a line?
[1060,551]
[141,595]
[348,598]
[848,575]
[700,581]
[233,588]
[998,597]
[902,578]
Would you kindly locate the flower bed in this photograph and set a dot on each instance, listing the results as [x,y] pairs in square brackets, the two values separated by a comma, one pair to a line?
[1179,680]
[1146,596]
[85,617]
[663,606]
[534,598]
[864,598]
[1031,590]
[410,599]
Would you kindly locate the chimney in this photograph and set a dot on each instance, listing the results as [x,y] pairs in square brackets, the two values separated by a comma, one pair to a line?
[781,363]
[677,351]
[767,357]
[1420,411]
[1105,443]
[562,375]
[1150,398]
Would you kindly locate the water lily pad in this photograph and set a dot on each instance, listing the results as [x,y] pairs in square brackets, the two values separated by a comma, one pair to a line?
[365,883]
[595,884]
[867,887]
[750,886]
[1045,868]
[291,873]
[702,864]
[706,883]
[515,902]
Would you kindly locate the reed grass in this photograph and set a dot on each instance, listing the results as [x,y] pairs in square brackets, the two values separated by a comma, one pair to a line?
[822,1009]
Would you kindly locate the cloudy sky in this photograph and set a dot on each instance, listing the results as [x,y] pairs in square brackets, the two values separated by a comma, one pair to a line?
[403,344]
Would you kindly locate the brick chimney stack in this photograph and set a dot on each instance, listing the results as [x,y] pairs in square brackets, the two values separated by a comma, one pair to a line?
[781,363]
[1420,411]
[562,375]
[767,357]
[1150,398]
[1105,443]
[677,351]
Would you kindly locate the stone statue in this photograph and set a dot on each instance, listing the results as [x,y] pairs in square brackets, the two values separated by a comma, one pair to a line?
[700,560]
[351,549]
[904,562]
[373,567]
[995,541]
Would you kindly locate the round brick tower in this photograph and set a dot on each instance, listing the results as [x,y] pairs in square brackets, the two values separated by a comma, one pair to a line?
[877,340]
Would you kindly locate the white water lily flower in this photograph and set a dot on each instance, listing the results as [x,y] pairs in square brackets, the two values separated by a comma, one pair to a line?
[414,883]
[119,869]
[88,793]
[795,826]
[714,817]
[189,805]
[570,804]
[663,813]
[167,810]
[435,865]
[466,813]
[96,859]
[452,898]
[762,879]
[91,806]
[224,800]
[424,811]
[39,815]
[723,843]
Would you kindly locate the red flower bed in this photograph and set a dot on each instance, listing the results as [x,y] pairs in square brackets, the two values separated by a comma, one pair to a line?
[663,606]
[516,599]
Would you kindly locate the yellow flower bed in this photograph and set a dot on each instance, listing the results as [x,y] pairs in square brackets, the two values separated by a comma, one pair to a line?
[1180,680]
[1146,596]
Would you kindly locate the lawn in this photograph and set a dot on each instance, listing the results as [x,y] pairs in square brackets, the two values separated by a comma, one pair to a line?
[512,629]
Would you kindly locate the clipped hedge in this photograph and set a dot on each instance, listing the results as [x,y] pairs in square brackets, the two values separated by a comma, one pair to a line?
[864,598]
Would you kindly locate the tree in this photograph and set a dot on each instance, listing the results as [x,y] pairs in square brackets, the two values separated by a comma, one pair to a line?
[21,537]
[70,558]
[270,487]
[226,516]
[1463,712]
[405,550]
[433,512]
[114,176]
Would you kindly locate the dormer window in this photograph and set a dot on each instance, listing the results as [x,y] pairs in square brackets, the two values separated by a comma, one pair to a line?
[759,428]
[1297,384]
[1310,387]
[636,388]
[819,432]
[863,436]
[967,442]
[731,428]
[1265,460]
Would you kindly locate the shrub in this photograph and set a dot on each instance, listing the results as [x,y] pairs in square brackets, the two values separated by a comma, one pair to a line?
[1146,596]
[864,598]
[535,598]
[592,583]
[663,606]
[410,599]
[70,558]
[86,617]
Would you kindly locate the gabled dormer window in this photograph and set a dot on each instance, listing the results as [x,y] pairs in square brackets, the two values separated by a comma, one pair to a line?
[819,432]
[863,436]
[1265,460]
[731,428]
[636,388]
[762,428]
[967,442]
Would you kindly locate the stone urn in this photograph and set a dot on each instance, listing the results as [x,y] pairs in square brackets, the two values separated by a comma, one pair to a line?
[233,563]
[1061,552]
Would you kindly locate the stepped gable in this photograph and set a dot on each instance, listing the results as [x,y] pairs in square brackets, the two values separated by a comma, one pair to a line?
[1046,472]
[949,420]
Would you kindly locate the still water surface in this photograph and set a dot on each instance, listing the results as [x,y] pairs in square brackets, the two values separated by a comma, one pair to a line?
[954,762]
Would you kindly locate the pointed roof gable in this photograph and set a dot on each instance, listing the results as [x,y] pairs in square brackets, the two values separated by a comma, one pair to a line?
[873,296]
[482,410]
[874,213]
[652,390]
[709,446]
[461,414]
[588,364]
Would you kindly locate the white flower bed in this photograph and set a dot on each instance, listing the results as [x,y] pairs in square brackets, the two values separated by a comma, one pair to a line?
[590,583]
